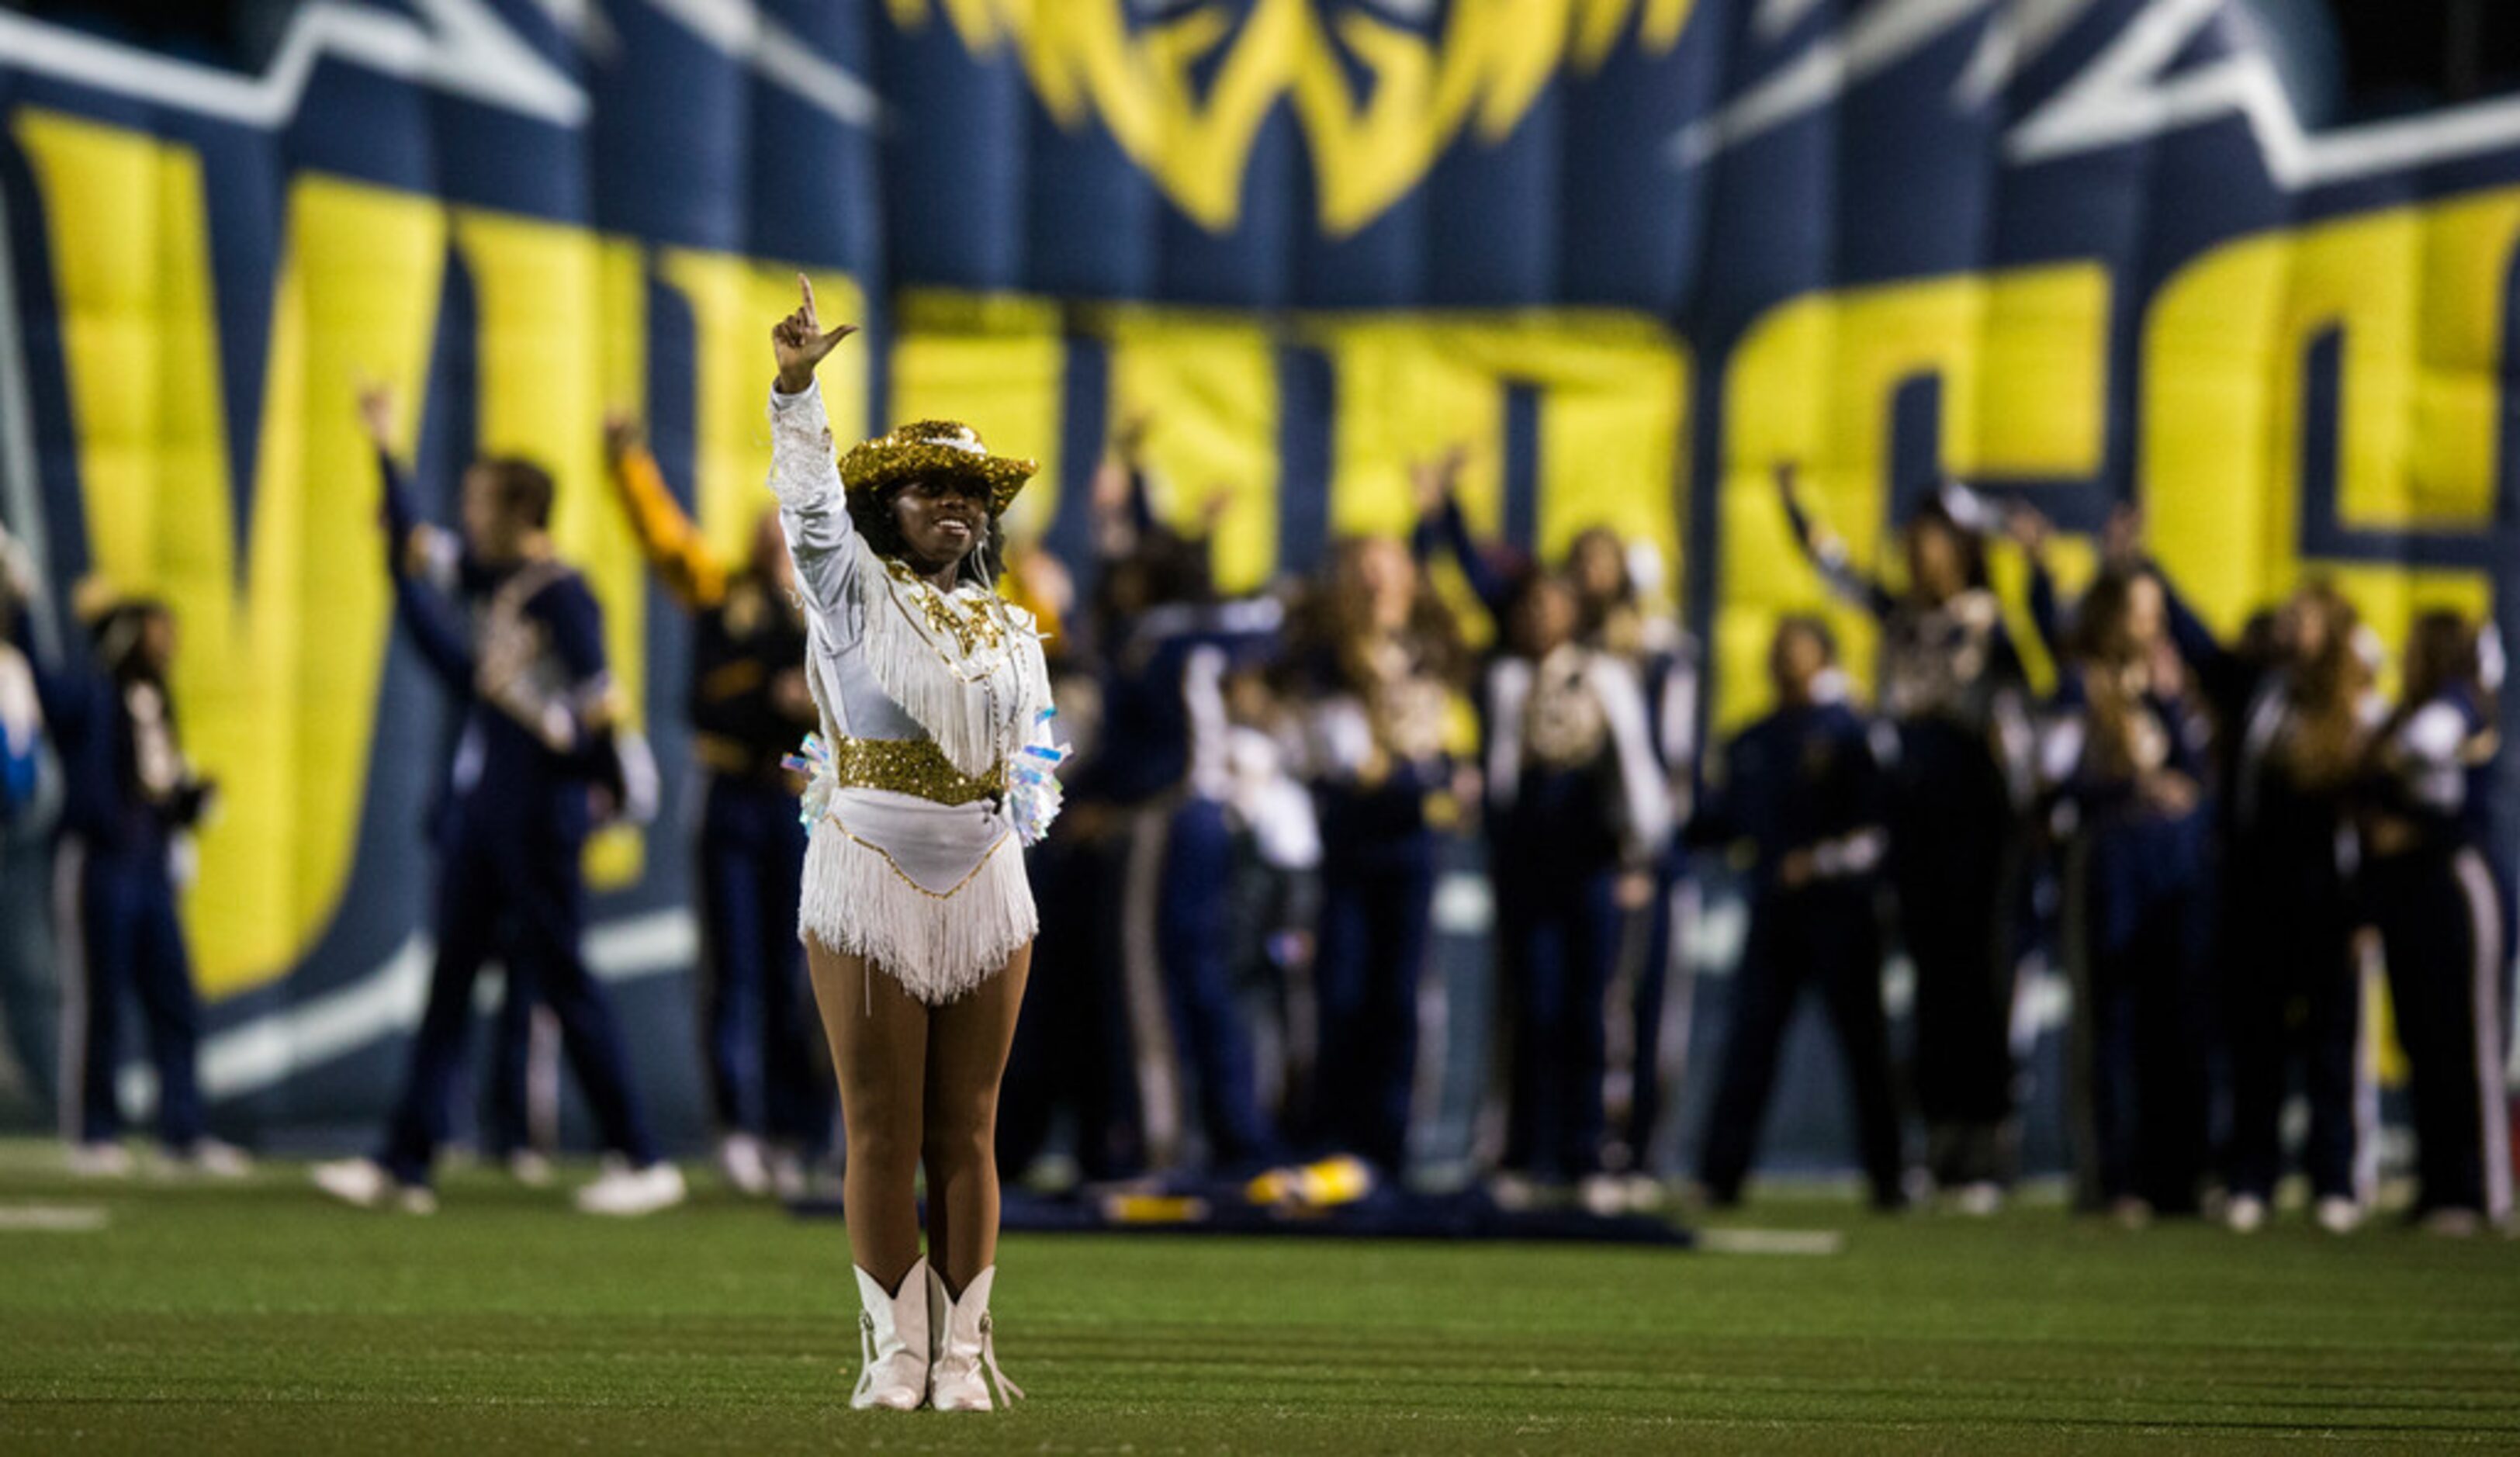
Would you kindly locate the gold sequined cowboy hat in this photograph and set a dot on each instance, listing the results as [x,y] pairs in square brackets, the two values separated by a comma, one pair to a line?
[935,447]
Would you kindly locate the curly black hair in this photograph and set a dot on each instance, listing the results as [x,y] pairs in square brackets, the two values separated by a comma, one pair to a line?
[873,513]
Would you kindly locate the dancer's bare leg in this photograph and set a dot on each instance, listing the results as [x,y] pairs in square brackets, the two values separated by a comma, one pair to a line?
[968,1041]
[878,1034]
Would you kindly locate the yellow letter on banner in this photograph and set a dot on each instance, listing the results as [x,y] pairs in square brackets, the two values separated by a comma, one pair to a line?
[1207,386]
[2419,296]
[2023,359]
[1614,393]
[995,363]
[560,332]
[733,301]
[278,690]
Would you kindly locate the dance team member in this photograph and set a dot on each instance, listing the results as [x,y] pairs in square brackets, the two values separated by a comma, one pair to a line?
[932,771]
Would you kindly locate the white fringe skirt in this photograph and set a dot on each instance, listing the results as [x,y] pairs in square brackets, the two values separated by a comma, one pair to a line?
[935,895]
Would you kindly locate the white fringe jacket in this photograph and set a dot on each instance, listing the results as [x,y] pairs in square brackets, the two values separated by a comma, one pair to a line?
[935,762]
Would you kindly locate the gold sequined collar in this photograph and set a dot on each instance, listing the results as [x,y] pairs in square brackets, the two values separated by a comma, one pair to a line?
[969,615]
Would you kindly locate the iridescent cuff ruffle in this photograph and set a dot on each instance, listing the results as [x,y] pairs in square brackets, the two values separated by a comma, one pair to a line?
[1033,792]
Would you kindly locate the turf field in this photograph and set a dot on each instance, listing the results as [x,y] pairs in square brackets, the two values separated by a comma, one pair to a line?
[255,1318]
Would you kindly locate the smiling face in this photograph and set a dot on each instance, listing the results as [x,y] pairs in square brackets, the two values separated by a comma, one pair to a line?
[943,518]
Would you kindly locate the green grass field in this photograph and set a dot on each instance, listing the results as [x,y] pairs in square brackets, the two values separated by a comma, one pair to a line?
[255,1318]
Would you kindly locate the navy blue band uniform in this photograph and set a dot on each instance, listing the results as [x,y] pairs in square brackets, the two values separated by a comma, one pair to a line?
[525,661]
[1803,782]
[2431,894]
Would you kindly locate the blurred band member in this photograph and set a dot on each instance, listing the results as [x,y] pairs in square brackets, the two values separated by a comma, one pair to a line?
[133,801]
[2430,787]
[1614,619]
[2295,994]
[1380,660]
[31,996]
[1951,685]
[2122,757]
[1160,771]
[748,705]
[1081,1048]
[1578,814]
[933,774]
[535,762]
[1804,796]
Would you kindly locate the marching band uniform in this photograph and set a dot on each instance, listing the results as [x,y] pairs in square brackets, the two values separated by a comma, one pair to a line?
[1804,779]
[1951,685]
[30,811]
[511,828]
[1660,1012]
[933,770]
[1576,796]
[1376,742]
[2434,900]
[2289,875]
[2137,929]
[758,1028]
[1163,756]
[132,802]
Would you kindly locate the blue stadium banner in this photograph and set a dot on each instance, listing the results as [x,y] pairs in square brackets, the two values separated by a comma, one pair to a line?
[1631,253]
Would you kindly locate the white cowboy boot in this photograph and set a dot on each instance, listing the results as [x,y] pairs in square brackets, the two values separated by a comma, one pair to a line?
[965,1347]
[892,1340]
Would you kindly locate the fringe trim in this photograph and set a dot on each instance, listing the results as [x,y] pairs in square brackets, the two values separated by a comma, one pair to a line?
[940,943]
[972,706]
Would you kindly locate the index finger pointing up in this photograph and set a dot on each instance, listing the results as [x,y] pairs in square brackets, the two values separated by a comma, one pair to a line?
[807,284]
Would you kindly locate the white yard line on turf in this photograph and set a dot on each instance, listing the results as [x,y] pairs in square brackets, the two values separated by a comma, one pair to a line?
[1772,1241]
[47,1218]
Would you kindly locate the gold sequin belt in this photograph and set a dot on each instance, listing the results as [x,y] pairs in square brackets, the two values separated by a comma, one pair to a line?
[911,766]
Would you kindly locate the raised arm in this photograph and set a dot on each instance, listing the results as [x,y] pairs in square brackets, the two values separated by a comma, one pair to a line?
[430,621]
[1122,496]
[804,469]
[1824,551]
[2225,675]
[1443,525]
[2030,529]
[668,537]
[420,559]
